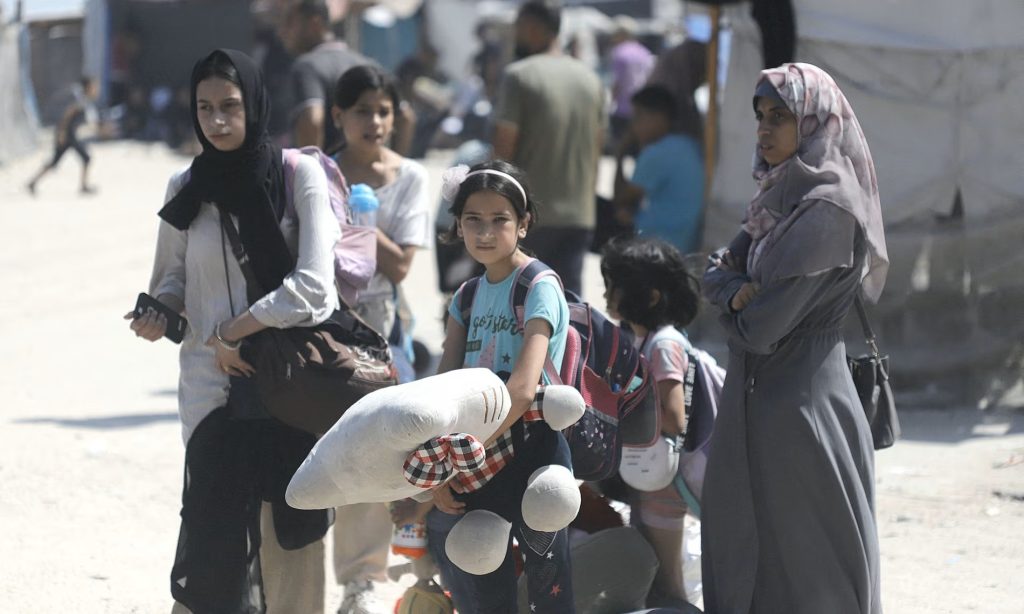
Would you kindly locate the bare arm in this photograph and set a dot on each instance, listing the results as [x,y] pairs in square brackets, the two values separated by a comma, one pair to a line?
[522,384]
[393,260]
[453,351]
[241,326]
[627,196]
[309,127]
[673,407]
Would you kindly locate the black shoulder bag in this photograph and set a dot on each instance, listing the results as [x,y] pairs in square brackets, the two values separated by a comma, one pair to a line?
[871,377]
[308,376]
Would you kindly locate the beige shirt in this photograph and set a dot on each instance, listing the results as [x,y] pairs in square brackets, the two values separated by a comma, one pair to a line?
[557,104]
[190,264]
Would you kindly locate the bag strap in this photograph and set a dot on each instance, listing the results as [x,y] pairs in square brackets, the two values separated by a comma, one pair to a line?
[526,279]
[466,296]
[291,162]
[692,504]
[527,276]
[253,287]
[869,334]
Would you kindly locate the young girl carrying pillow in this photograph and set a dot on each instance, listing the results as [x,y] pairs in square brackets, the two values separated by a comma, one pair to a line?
[493,212]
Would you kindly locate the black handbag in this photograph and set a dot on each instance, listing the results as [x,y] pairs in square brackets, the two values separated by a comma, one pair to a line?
[871,377]
[307,377]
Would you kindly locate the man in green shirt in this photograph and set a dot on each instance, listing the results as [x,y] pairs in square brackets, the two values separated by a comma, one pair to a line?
[550,122]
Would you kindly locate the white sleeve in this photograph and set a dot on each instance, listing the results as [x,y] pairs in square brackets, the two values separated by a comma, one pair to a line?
[412,221]
[308,295]
[169,263]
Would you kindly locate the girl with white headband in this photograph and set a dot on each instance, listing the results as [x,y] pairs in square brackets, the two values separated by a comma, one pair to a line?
[493,212]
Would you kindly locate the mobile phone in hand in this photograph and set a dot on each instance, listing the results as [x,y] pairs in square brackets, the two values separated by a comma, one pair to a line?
[176,324]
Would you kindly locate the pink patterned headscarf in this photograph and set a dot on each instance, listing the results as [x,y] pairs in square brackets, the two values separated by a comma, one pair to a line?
[832,164]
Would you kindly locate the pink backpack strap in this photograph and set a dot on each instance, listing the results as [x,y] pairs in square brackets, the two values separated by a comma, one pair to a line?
[337,187]
[526,279]
[290,161]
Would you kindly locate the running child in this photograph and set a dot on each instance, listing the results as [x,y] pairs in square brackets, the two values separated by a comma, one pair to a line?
[81,111]
[648,289]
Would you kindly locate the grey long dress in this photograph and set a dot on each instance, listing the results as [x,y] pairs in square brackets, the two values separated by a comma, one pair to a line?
[788,504]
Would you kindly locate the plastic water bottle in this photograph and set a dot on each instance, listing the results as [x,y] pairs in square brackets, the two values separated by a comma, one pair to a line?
[410,540]
[364,205]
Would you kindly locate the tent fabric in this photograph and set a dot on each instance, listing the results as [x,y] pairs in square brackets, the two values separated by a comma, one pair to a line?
[18,121]
[951,25]
[939,102]
[937,122]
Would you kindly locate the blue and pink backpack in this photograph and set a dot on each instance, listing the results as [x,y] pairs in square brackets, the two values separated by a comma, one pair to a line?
[600,361]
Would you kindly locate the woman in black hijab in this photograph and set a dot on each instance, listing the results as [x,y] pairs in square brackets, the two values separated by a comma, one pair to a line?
[241,548]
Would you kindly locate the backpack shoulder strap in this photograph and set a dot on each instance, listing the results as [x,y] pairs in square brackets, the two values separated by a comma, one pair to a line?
[690,379]
[337,186]
[466,295]
[526,279]
[290,161]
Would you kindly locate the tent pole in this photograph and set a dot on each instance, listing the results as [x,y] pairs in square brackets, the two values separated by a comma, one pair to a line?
[711,121]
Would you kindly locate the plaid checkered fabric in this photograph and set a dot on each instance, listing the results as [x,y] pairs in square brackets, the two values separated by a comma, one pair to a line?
[433,463]
[536,411]
[498,455]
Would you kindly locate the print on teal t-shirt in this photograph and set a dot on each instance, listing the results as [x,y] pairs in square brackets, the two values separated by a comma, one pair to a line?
[492,341]
[671,173]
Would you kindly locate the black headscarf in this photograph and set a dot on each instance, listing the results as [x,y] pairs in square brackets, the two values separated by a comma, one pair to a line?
[247,182]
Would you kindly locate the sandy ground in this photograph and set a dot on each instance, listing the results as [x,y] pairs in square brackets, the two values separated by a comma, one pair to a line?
[91,450]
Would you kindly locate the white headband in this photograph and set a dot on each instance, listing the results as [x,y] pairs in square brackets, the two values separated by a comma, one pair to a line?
[452,180]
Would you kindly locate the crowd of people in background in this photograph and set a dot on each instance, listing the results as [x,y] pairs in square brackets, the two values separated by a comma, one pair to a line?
[532,195]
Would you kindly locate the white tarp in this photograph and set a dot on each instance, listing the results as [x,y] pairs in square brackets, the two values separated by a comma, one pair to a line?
[938,87]
[18,123]
[913,24]
[937,121]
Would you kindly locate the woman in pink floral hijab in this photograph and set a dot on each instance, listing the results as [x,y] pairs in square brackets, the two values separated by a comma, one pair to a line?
[788,503]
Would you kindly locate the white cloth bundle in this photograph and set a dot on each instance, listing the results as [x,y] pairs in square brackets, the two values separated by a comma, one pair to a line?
[360,460]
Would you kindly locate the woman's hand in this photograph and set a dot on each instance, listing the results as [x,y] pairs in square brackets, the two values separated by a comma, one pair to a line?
[229,360]
[743,297]
[444,499]
[151,325]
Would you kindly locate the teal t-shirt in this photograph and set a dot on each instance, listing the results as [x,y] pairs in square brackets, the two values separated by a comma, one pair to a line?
[671,172]
[492,341]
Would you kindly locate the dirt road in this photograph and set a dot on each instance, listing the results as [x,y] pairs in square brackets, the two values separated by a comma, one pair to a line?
[91,450]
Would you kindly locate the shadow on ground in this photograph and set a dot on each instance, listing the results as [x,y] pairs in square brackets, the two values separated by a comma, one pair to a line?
[126,421]
[959,425]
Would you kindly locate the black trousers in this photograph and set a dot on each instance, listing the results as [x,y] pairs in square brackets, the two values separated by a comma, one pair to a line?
[231,467]
[71,142]
[547,564]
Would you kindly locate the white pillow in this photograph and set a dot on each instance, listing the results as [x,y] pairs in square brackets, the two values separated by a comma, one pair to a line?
[361,459]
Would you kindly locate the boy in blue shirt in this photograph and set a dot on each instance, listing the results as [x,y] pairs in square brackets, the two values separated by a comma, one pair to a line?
[664,197]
